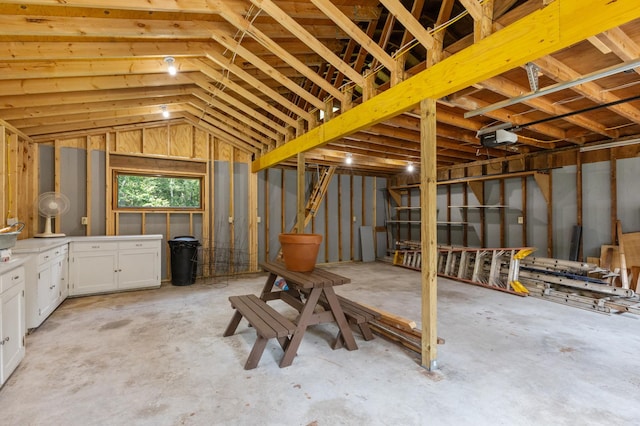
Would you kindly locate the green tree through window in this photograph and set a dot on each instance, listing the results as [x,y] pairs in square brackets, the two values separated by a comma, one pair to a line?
[137,191]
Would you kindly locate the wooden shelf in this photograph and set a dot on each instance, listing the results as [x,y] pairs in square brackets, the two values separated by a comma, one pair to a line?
[452,223]
[407,208]
[403,221]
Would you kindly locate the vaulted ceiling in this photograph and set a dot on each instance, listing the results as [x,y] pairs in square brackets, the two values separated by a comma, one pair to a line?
[256,73]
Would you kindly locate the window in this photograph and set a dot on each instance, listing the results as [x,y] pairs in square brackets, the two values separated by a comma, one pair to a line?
[135,191]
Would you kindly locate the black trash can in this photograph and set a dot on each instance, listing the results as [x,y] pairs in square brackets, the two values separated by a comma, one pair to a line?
[184,260]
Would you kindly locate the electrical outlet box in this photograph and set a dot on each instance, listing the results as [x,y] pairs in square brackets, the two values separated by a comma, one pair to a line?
[85,221]
[259,219]
[230,219]
[355,219]
[520,220]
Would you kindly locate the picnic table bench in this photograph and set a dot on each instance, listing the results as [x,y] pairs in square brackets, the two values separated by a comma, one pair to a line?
[267,321]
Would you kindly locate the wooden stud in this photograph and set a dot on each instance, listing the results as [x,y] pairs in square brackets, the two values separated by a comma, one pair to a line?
[232,225]
[465,215]
[267,208]
[253,223]
[429,234]
[550,218]
[89,149]
[326,227]
[3,175]
[108,180]
[448,214]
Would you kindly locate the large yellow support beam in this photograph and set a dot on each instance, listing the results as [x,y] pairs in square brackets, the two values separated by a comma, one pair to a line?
[556,26]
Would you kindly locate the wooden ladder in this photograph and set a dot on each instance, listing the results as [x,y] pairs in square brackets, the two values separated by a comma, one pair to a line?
[315,199]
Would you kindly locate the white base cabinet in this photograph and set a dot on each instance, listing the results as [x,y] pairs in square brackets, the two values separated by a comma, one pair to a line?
[103,266]
[12,321]
[46,283]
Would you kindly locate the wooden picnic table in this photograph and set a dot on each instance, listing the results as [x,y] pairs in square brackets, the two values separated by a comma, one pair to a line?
[306,290]
[314,284]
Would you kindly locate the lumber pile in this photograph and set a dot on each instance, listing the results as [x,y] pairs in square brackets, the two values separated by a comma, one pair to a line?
[399,330]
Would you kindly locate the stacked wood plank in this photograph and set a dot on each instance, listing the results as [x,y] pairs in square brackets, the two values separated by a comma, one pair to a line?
[399,330]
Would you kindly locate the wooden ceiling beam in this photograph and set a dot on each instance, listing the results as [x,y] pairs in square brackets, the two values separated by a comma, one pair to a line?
[560,72]
[409,22]
[215,92]
[225,82]
[558,25]
[78,84]
[621,44]
[226,63]
[244,26]
[354,31]
[362,11]
[307,38]
[510,89]
[236,48]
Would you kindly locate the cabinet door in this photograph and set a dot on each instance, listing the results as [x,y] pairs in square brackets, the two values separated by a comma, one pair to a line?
[45,290]
[138,268]
[93,272]
[12,330]
[64,278]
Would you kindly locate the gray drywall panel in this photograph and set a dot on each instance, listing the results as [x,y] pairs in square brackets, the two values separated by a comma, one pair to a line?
[98,193]
[565,209]
[275,211]
[627,172]
[536,218]
[492,216]
[345,217]
[333,216]
[46,181]
[473,220]
[366,237]
[318,223]
[442,208]
[130,224]
[290,199]
[156,223]
[596,214]
[381,202]
[73,184]
[179,225]
[261,216]
[357,197]
[241,213]
[221,234]
[457,199]
[367,199]
[513,199]
[414,214]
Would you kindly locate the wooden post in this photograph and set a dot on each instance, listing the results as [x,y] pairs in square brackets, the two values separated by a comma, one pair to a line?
[56,180]
[301,201]
[266,215]
[501,210]
[428,199]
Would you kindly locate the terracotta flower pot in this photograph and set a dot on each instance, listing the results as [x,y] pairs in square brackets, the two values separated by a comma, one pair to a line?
[300,251]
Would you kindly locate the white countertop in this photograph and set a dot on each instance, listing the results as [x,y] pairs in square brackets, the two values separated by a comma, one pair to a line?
[37,245]
[12,264]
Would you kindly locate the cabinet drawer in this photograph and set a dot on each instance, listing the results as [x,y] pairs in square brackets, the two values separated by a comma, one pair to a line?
[129,245]
[94,246]
[52,254]
[10,279]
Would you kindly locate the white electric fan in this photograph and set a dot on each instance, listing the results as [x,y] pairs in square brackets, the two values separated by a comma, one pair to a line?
[51,204]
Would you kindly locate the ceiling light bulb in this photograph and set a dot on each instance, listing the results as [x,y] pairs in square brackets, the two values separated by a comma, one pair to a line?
[410,167]
[348,159]
[172,68]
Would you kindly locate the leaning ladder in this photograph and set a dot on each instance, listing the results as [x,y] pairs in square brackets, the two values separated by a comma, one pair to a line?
[315,199]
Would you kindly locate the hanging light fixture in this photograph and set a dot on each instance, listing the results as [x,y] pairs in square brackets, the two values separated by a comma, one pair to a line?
[348,159]
[170,60]
[165,113]
[410,167]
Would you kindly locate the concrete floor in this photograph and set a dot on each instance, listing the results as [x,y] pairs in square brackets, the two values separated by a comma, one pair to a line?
[158,358]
